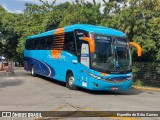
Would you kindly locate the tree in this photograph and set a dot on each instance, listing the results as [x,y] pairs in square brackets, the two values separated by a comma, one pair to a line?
[10,38]
[139,19]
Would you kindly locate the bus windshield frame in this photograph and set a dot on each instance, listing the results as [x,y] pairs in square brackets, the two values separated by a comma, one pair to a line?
[112,54]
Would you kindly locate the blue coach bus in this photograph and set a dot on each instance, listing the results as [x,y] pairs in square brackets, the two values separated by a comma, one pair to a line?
[87,56]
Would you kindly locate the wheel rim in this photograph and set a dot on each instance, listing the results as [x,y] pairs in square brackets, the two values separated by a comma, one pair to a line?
[71,81]
[32,72]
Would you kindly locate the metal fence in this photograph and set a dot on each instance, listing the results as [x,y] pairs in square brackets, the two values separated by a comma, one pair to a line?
[146,74]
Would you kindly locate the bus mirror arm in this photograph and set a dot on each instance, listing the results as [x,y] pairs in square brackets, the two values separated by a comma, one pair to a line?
[138,47]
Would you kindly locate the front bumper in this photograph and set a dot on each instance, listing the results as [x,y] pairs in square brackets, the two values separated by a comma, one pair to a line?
[102,85]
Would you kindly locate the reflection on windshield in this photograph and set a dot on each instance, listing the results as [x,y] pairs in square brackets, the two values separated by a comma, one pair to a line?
[111,55]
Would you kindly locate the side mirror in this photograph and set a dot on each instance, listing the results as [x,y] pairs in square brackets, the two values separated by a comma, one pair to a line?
[138,47]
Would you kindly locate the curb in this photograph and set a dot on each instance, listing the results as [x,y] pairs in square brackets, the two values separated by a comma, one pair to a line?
[146,88]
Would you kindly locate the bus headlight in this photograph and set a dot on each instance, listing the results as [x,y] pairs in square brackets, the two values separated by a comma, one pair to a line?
[111,79]
[129,78]
[94,76]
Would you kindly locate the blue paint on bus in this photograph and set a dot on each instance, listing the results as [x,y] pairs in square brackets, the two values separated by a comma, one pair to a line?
[88,28]
[93,79]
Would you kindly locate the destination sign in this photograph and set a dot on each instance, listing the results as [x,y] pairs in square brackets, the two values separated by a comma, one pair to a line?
[103,39]
[118,41]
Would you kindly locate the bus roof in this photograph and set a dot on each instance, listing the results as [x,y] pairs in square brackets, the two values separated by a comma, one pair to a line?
[89,28]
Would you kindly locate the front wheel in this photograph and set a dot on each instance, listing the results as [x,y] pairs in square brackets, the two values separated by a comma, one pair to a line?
[70,82]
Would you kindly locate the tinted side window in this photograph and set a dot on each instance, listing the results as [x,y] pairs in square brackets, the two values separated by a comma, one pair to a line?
[41,43]
[49,40]
[36,44]
[80,33]
[32,44]
[27,44]
[69,42]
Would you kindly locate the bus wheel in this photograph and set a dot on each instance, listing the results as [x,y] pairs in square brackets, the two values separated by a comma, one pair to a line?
[70,82]
[32,71]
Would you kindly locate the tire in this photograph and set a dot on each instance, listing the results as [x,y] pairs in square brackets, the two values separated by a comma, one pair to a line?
[70,82]
[32,71]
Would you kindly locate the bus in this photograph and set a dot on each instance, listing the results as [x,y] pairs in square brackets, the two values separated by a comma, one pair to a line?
[87,56]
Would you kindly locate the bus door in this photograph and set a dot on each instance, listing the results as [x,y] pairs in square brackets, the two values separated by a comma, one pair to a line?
[85,63]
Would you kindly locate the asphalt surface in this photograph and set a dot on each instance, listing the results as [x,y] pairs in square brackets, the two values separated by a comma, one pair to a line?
[23,92]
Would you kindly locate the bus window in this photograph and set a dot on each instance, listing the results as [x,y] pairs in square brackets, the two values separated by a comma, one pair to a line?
[48,43]
[35,44]
[42,43]
[36,47]
[69,42]
[27,44]
[31,44]
[80,33]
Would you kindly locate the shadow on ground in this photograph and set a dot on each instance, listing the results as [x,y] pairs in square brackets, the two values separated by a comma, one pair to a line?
[7,83]
[127,92]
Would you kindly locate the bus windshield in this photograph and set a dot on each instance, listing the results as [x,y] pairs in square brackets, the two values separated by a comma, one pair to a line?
[112,54]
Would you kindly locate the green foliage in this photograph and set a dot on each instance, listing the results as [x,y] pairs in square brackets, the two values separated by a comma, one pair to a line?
[139,20]
[135,70]
[138,83]
[8,38]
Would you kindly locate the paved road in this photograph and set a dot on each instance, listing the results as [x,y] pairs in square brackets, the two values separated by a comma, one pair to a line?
[26,93]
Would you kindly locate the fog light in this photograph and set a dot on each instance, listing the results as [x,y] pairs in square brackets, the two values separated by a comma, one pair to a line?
[95,84]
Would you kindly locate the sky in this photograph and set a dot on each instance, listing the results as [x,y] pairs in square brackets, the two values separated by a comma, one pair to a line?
[17,6]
